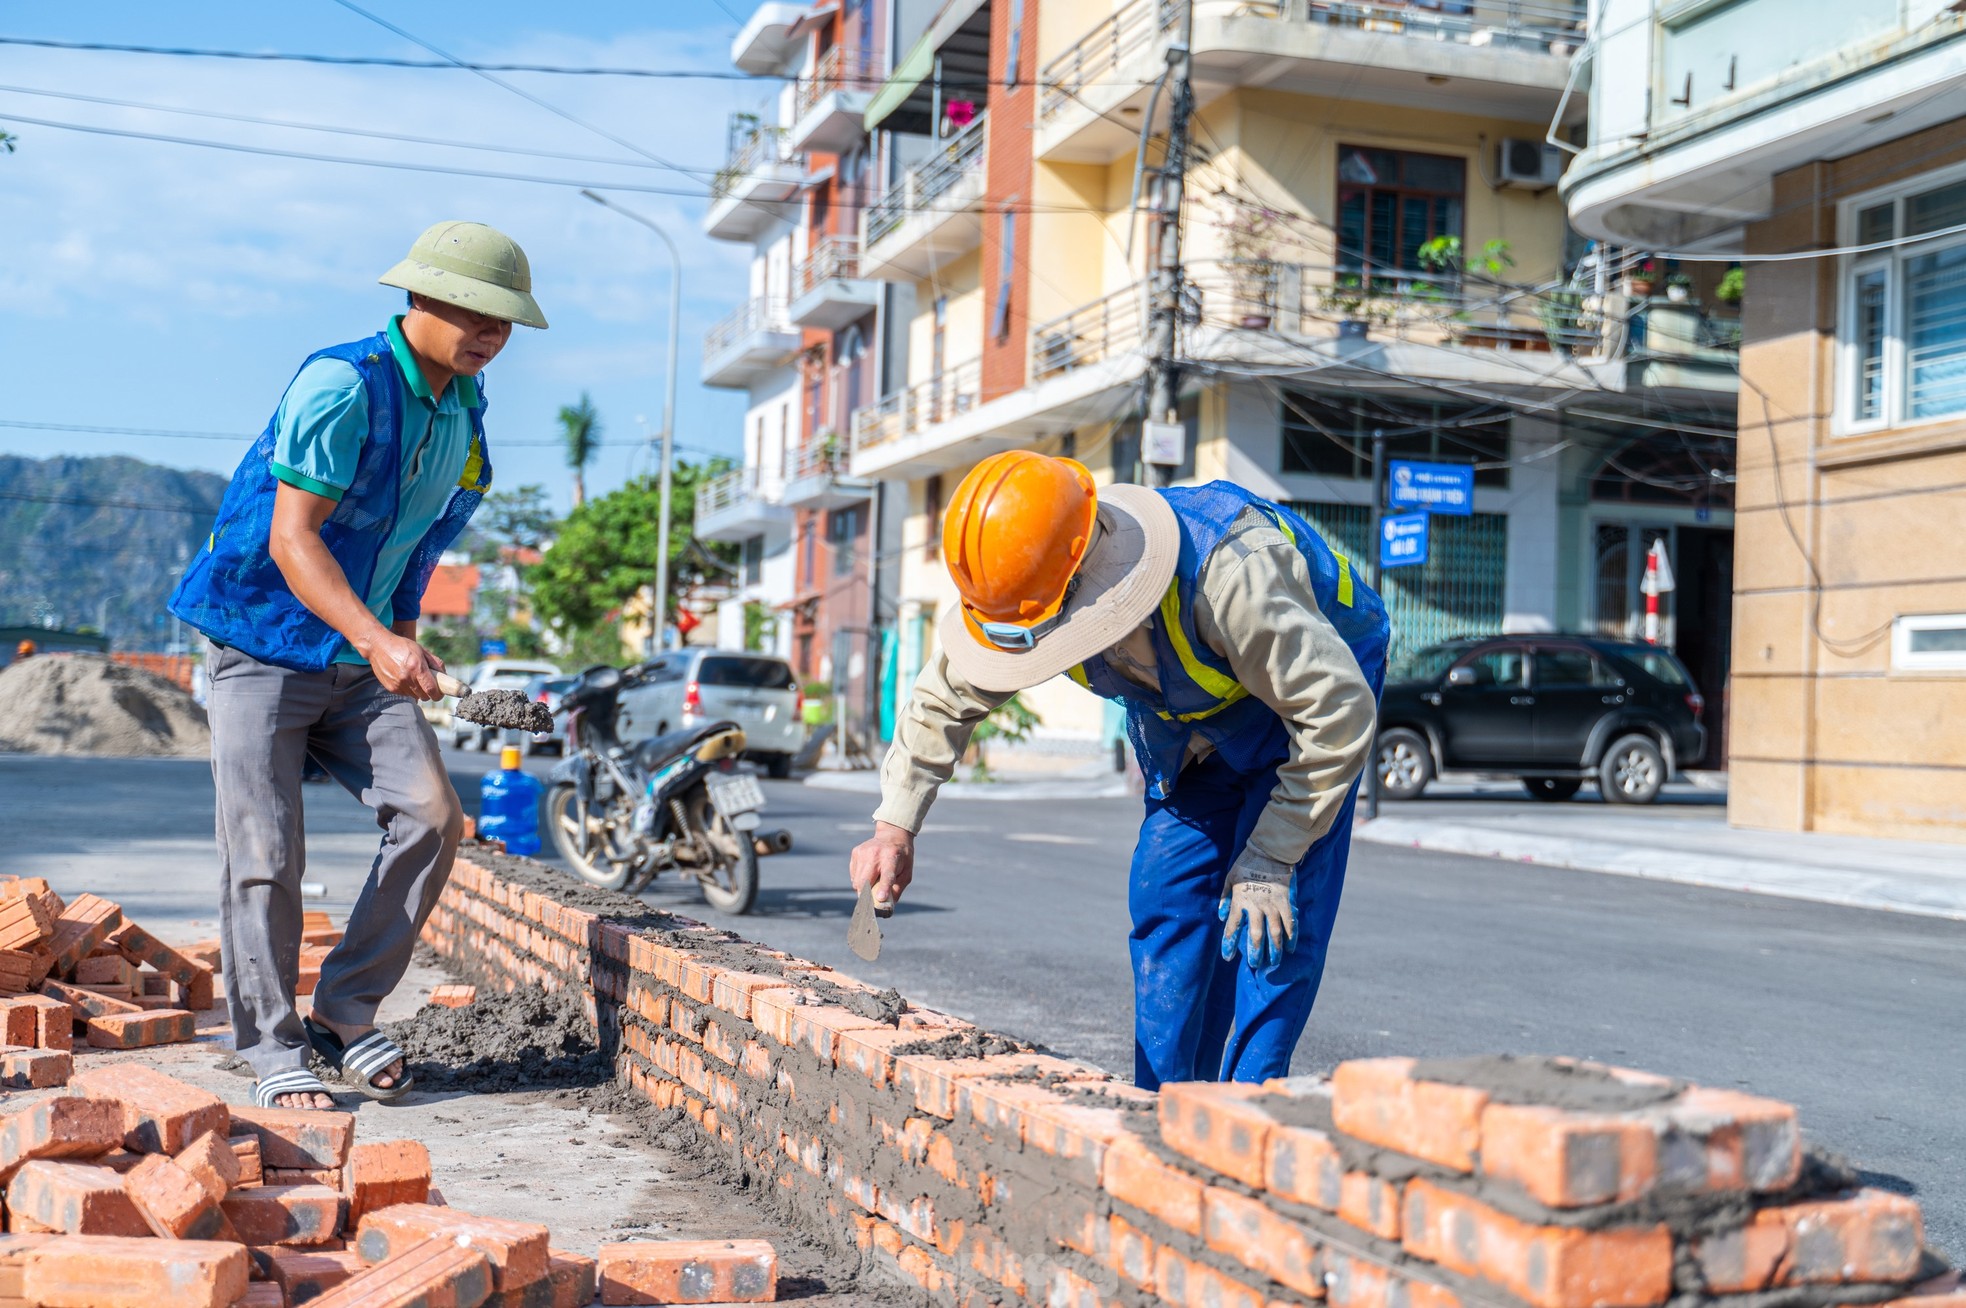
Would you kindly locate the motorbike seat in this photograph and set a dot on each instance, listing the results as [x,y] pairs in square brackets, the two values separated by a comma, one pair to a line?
[653,753]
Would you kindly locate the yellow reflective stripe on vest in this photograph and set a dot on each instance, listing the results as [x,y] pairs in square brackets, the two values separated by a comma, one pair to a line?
[1215,683]
[1077,673]
[474,467]
[1344,579]
[1239,693]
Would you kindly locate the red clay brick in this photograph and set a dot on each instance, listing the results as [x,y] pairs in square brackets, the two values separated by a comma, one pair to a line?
[1133,1175]
[1130,1252]
[65,1127]
[19,1023]
[1549,1266]
[88,1003]
[161,1114]
[1246,1230]
[517,1250]
[172,1202]
[141,1030]
[35,1069]
[134,1273]
[688,1271]
[385,1172]
[454,996]
[1195,1285]
[1727,1140]
[1570,1159]
[294,1215]
[297,1137]
[328,1176]
[83,925]
[1303,1166]
[113,971]
[1370,1203]
[1867,1236]
[212,1164]
[1355,1283]
[933,1081]
[307,1274]
[430,1274]
[13,1253]
[140,947]
[74,1198]
[252,1169]
[574,1280]
[1219,1126]
[54,1021]
[1067,1289]
[24,922]
[1379,1101]
[262,1294]
[733,991]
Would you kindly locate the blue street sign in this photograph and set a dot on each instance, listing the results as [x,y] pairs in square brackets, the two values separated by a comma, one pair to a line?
[491,649]
[1402,540]
[1435,487]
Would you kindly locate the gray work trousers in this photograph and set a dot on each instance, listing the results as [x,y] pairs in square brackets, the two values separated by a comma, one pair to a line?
[265,720]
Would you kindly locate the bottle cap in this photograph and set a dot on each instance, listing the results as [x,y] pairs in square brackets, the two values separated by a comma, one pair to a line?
[508,758]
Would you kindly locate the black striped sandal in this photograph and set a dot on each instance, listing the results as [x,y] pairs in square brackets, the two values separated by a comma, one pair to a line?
[292,1081]
[361,1062]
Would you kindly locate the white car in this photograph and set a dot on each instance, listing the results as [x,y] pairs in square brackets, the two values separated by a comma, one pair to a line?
[696,686]
[500,674]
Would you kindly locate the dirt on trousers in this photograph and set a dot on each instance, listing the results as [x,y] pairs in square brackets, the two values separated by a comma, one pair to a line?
[88,704]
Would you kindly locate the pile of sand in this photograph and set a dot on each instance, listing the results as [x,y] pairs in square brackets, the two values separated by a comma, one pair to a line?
[85,704]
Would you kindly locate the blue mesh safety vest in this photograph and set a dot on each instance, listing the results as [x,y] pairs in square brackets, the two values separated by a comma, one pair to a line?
[1199,693]
[235,593]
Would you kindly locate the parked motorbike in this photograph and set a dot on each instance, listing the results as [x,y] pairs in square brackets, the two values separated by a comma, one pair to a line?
[623,813]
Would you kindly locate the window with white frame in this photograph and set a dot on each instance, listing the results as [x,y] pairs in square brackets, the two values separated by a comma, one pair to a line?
[1904,308]
[1929,642]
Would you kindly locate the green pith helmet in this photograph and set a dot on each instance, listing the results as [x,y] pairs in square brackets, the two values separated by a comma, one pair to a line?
[472,266]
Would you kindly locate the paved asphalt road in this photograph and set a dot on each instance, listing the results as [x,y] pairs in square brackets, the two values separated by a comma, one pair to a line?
[1018,920]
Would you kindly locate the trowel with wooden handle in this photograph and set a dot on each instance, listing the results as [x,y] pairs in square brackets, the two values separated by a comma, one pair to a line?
[863,935]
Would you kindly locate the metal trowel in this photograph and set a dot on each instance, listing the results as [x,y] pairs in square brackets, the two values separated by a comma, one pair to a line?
[863,935]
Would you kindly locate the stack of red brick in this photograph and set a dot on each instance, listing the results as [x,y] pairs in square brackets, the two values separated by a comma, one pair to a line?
[1006,1177]
[78,968]
[145,1192]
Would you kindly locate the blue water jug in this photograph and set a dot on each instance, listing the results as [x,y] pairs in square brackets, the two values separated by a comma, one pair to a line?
[508,806]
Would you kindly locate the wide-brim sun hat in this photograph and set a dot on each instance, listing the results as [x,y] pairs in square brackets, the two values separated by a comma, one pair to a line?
[1120,584]
[472,266]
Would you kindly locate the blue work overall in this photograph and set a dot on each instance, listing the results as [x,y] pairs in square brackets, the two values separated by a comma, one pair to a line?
[1198,1016]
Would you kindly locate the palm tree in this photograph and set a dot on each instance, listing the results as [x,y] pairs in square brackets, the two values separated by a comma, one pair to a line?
[580,426]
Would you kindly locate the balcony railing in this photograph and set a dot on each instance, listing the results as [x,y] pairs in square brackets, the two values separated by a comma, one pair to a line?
[1100,52]
[759,148]
[1469,22]
[765,314]
[837,258]
[1088,334]
[921,406]
[727,491]
[927,182]
[842,68]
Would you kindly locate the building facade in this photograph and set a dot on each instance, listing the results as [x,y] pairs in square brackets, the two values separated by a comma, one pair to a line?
[1374,243]
[1823,142]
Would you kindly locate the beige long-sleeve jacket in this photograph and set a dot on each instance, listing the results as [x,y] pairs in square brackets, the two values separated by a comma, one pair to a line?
[1255,608]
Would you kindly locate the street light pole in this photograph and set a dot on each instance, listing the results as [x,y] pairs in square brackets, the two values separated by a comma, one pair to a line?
[1379,484]
[659,619]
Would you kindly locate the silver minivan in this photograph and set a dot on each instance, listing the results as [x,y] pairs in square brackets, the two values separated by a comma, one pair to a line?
[693,686]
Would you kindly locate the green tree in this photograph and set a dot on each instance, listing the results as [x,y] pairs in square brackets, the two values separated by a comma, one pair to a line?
[7,143]
[580,428]
[518,518]
[607,550]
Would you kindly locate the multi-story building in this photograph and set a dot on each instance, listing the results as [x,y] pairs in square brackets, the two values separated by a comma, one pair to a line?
[806,347]
[1374,242]
[1823,142]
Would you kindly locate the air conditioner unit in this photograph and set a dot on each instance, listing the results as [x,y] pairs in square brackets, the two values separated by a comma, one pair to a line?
[1533,165]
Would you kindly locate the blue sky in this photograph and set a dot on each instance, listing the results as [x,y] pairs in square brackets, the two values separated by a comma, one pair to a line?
[166,286]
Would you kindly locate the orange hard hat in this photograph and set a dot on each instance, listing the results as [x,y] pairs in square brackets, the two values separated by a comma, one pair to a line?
[1014,536]
[25,649]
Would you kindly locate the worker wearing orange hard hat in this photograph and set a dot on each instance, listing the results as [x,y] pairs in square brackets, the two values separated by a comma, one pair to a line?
[25,650]
[1249,658]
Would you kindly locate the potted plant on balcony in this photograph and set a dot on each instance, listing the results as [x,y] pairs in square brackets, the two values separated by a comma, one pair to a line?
[1249,246]
[1643,280]
[1352,299]
[1679,288]
[1732,286]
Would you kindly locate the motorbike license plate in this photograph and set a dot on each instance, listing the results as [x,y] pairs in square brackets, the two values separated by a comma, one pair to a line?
[735,794]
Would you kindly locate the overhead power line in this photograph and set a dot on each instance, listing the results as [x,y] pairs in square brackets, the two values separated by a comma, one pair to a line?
[381,61]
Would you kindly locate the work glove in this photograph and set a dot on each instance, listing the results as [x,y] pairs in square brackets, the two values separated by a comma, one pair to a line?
[1259,921]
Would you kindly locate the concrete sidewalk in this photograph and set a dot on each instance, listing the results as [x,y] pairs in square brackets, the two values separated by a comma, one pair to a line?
[1691,844]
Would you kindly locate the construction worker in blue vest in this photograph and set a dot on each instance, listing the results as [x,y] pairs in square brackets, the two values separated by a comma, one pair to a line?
[1249,657]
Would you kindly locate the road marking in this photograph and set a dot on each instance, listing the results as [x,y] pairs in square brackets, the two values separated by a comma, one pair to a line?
[1046,838]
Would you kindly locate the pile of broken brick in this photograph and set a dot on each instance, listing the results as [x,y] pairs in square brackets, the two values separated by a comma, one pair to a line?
[142,1191]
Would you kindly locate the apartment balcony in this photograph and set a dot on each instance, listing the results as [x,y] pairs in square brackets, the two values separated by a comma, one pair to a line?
[769,38]
[827,288]
[818,478]
[736,507]
[829,107]
[933,215]
[750,342]
[1094,333]
[1494,58]
[759,175]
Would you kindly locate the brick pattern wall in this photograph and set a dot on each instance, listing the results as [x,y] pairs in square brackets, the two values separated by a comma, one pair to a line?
[1007,187]
[988,1174]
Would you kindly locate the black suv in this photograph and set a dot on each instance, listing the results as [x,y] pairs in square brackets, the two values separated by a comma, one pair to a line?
[1553,710]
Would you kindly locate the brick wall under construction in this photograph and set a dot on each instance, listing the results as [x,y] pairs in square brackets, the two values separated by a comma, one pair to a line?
[987,1172]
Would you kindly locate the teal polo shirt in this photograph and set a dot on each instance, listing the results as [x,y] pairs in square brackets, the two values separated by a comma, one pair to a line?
[317,438]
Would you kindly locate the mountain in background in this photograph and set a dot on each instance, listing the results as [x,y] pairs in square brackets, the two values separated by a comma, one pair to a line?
[98,543]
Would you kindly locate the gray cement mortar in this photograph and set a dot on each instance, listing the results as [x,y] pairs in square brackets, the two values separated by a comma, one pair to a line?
[504,709]
[1554,1082]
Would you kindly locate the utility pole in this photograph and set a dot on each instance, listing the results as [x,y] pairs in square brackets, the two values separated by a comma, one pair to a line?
[1379,484]
[1161,434]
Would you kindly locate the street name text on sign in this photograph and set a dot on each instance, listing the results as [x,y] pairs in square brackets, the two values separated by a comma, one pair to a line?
[1435,487]
[1402,540]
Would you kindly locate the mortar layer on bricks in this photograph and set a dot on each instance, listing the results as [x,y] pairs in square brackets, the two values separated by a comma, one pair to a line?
[976,1171]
